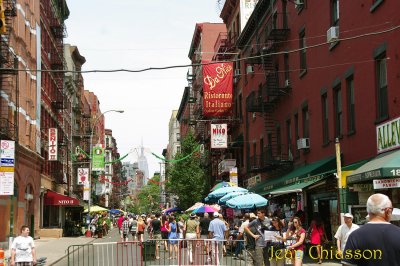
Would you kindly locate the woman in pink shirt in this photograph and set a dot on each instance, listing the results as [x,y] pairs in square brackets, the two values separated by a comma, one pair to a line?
[298,247]
[164,231]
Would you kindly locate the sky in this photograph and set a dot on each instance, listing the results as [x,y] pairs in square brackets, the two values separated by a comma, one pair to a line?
[133,34]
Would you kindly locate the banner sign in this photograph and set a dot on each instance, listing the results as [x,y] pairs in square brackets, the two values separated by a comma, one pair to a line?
[233,175]
[388,135]
[6,183]
[83,176]
[386,183]
[219,136]
[98,159]
[226,165]
[246,9]
[217,89]
[86,192]
[53,139]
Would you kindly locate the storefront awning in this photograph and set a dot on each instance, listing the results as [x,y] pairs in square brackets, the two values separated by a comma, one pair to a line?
[295,188]
[384,165]
[57,199]
[311,170]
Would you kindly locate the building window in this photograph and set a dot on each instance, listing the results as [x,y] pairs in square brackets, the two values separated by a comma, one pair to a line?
[338,111]
[286,66]
[303,52]
[278,140]
[335,12]
[178,136]
[254,161]
[178,149]
[261,152]
[306,122]
[289,137]
[240,107]
[325,119]
[296,133]
[382,95]
[351,110]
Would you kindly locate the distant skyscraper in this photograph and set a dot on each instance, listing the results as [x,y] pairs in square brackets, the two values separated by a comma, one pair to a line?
[143,165]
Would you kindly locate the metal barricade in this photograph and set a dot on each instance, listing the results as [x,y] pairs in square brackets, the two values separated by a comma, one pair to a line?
[158,252]
[106,254]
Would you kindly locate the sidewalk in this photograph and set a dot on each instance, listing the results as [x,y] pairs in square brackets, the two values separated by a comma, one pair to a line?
[55,249]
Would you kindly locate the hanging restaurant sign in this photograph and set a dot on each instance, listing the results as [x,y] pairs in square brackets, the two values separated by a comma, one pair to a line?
[219,136]
[217,89]
[53,144]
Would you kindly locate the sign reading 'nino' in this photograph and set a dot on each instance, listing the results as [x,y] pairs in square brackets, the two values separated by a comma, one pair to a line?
[217,89]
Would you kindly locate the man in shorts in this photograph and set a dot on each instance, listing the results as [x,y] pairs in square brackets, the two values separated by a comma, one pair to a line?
[156,226]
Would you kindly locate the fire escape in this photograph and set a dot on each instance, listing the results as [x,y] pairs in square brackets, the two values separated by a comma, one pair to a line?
[53,14]
[9,92]
[275,156]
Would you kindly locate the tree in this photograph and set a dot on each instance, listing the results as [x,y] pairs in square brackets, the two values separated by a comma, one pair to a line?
[148,198]
[186,177]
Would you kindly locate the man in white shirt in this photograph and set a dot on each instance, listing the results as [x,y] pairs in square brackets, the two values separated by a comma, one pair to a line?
[23,249]
[343,232]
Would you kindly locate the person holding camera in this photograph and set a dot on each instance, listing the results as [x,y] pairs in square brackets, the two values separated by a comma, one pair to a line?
[256,229]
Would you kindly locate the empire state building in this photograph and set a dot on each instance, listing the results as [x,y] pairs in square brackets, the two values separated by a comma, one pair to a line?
[143,165]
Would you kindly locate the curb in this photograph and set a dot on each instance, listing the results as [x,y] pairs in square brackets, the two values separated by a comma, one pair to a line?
[65,255]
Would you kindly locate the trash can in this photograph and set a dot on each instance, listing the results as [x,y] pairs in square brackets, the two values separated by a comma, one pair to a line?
[149,250]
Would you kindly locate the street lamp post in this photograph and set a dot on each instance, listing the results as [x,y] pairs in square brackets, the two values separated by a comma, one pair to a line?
[91,155]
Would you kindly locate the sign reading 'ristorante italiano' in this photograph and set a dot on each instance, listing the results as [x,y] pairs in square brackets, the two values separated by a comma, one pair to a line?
[217,89]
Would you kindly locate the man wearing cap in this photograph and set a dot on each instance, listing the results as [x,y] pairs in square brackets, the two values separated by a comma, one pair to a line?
[217,231]
[344,231]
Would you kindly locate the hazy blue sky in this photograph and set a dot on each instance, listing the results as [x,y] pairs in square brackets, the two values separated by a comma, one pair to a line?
[136,34]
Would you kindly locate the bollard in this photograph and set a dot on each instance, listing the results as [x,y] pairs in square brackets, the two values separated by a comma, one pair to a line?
[2,262]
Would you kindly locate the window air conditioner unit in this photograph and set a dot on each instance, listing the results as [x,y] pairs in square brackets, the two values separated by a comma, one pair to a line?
[298,3]
[249,69]
[303,143]
[287,83]
[332,34]
[237,72]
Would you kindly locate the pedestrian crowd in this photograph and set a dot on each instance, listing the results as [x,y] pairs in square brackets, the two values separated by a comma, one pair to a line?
[268,239]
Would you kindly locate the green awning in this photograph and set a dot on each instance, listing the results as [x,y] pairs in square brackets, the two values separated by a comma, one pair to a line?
[310,170]
[295,188]
[384,165]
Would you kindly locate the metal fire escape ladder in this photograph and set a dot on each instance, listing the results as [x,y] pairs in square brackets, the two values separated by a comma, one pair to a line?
[9,90]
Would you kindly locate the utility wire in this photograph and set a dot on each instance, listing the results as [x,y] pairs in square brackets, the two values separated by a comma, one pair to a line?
[213,62]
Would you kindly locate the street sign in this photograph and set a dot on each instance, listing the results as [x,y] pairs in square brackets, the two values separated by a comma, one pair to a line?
[98,159]
[6,183]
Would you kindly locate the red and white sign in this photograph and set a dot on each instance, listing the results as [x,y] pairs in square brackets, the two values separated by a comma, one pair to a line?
[57,199]
[53,139]
[83,176]
[217,89]
[219,136]
[386,183]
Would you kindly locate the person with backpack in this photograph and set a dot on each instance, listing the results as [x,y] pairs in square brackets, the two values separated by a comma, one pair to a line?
[133,227]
